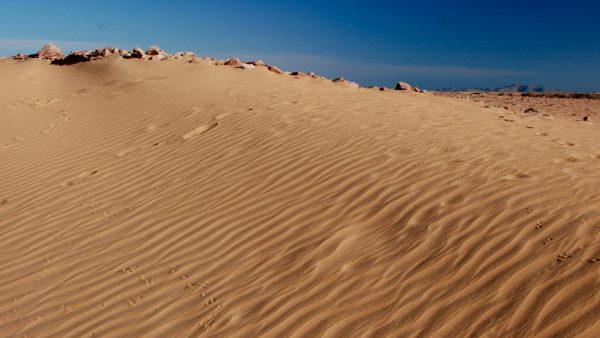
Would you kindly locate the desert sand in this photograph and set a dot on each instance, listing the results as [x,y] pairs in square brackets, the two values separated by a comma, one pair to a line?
[176,199]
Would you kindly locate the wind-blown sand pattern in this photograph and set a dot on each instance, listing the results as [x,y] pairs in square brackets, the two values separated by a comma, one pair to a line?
[169,199]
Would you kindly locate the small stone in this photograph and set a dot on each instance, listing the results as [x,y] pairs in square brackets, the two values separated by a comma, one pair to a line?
[138,53]
[276,70]
[153,50]
[20,57]
[403,86]
[195,60]
[233,62]
[530,110]
[247,66]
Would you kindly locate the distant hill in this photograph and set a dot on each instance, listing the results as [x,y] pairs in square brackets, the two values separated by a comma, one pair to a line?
[513,88]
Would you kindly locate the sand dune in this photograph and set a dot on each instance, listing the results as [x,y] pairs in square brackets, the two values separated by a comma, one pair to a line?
[143,198]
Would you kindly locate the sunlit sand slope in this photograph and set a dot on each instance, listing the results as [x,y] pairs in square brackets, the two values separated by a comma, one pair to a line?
[167,199]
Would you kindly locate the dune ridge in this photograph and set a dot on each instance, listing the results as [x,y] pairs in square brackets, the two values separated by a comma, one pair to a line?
[176,199]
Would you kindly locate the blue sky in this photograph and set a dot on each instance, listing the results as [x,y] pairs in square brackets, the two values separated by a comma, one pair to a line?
[432,44]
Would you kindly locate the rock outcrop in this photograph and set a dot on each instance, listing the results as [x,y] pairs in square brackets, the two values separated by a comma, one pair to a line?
[138,53]
[50,52]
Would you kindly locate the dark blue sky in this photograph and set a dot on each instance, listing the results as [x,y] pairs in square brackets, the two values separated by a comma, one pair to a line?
[431,44]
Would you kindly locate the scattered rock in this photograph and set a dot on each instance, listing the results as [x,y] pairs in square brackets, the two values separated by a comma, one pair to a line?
[72,59]
[258,63]
[158,57]
[341,80]
[233,62]
[297,74]
[195,59]
[403,86]
[20,57]
[153,50]
[86,52]
[246,66]
[125,53]
[530,110]
[184,55]
[586,118]
[50,52]
[103,52]
[276,70]
[138,53]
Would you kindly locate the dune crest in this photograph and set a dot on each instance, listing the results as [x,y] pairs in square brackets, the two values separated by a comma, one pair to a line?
[186,199]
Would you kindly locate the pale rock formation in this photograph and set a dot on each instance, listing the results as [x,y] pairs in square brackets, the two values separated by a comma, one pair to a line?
[50,52]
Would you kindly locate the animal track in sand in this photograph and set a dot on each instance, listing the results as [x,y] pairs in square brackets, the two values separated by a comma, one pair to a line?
[127,151]
[563,142]
[562,256]
[129,269]
[63,117]
[37,103]
[568,159]
[80,178]
[138,148]
[200,130]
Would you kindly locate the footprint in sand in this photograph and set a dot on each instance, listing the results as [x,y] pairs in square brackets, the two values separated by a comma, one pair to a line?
[200,130]
[568,159]
[126,151]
